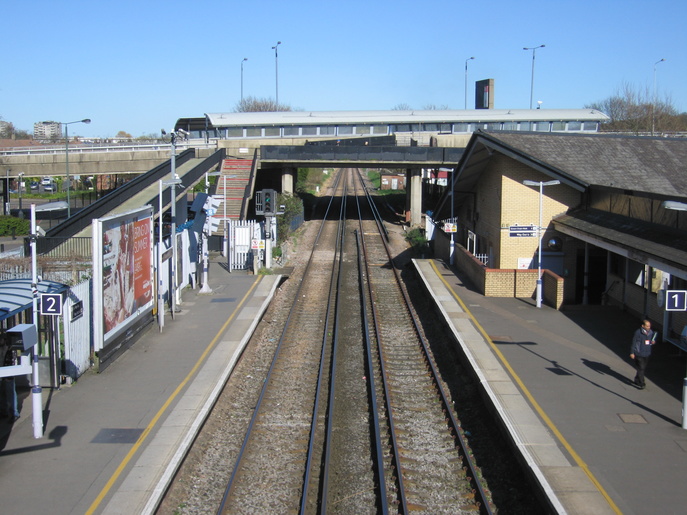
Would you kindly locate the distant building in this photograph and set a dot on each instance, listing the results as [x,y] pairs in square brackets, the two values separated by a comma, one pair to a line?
[393,181]
[47,130]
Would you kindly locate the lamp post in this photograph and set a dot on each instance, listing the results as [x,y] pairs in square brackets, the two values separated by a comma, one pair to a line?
[541,185]
[276,70]
[20,179]
[653,101]
[244,60]
[466,80]
[66,156]
[7,191]
[534,50]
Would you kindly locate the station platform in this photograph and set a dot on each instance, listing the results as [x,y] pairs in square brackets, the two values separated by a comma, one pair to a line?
[561,380]
[113,440]
[562,383]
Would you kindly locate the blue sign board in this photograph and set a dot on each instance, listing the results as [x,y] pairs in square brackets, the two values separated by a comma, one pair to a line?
[520,231]
[676,300]
[51,304]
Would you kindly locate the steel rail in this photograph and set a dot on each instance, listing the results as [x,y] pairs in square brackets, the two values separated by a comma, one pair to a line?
[237,465]
[485,505]
[334,293]
[403,504]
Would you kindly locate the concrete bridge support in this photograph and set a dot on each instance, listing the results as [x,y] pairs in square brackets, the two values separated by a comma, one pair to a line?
[288,180]
[414,196]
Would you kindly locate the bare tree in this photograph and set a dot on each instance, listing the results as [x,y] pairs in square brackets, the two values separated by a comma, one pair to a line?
[254,105]
[635,110]
[402,107]
[434,107]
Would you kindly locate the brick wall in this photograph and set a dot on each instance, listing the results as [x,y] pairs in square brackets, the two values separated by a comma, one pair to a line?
[494,282]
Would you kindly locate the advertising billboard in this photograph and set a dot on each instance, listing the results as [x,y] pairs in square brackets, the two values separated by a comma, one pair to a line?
[122,271]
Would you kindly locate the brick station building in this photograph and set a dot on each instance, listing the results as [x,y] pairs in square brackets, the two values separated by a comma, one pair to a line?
[607,235]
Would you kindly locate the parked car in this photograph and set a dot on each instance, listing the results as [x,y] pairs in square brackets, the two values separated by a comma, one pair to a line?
[50,187]
[46,180]
[34,185]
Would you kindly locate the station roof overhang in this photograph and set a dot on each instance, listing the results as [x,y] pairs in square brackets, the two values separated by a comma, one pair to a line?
[16,295]
[640,241]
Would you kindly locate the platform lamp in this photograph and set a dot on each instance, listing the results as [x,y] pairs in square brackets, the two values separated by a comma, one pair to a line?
[541,185]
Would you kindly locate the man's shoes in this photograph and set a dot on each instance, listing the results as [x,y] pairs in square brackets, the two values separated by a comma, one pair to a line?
[13,418]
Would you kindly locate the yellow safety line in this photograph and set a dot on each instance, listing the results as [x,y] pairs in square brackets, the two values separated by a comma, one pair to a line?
[529,396]
[164,407]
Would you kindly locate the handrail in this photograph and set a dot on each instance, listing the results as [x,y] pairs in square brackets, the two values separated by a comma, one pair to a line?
[82,219]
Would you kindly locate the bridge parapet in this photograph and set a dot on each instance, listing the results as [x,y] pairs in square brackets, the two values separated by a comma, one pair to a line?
[392,156]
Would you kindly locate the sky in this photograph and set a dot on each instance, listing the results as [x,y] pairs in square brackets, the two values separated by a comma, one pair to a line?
[139,66]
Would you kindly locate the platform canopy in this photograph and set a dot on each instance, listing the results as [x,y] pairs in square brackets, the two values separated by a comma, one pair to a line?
[16,294]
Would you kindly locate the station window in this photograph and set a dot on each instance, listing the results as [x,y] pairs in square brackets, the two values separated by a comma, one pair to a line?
[272,131]
[402,127]
[494,126]
[525,126]
[309,130]
[380,129]
[431,127]
[574,126]
[362,129]
[461,127]
[253,132]
[542,126]
[291,131]
[558,126]
[345,130]
[510,126]
[327,130]
[235,132]
[590,126]
[444,127]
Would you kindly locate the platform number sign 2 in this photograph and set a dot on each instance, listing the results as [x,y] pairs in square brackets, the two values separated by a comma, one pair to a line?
[676,300]
[51,304]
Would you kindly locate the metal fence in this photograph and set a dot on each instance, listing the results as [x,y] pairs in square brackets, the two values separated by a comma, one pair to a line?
[61,247]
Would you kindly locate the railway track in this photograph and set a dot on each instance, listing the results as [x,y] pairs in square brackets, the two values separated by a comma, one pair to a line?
[351,417]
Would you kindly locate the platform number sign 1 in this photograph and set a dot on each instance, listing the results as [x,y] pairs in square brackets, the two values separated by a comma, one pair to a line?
[51,304]
[676,300]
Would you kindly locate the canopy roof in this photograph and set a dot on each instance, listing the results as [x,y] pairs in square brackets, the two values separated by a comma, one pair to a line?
[16,295]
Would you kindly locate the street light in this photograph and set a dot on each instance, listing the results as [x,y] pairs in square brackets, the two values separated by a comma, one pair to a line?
[7,192]
[66,156]
[653,102]
[20,176]
[244,60]
[276,70]
[466,80]
[539,231]
[534,49]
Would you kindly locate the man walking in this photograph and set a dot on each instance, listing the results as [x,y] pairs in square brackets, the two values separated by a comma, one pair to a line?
[642,341]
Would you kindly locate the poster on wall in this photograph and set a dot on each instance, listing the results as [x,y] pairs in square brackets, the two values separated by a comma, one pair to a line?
[123,274]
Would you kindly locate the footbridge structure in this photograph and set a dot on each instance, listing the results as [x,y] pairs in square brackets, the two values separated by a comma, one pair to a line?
[238,173]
